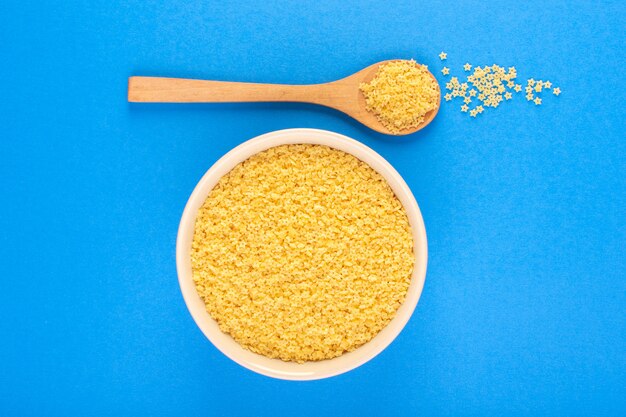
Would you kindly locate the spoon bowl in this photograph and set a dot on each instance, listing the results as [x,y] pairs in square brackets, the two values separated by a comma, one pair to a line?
[356,107]
[343,95]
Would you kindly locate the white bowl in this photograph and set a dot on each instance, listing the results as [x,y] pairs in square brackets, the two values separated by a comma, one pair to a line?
[275,367]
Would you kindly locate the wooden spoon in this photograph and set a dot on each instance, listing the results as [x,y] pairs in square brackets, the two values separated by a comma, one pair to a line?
[343,95]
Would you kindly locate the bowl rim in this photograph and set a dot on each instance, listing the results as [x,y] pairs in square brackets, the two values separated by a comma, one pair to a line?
[277,368]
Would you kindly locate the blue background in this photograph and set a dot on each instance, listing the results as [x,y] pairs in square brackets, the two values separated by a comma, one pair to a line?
[523,312]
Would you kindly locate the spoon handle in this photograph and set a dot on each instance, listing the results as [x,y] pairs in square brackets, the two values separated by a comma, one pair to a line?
[180,90]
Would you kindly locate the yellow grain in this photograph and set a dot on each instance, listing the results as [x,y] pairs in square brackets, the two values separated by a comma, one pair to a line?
[400,94]
[302,252]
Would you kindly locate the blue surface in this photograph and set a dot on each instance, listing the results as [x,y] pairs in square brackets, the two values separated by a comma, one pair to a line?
[523,312]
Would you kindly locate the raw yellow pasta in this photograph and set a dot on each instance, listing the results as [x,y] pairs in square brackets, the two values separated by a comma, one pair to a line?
[302,252]
[400,94]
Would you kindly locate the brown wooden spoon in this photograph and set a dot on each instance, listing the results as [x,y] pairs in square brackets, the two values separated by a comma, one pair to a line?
[343,95]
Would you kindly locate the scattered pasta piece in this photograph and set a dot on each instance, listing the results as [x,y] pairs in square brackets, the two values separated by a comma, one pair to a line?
[491,85]
[443,55]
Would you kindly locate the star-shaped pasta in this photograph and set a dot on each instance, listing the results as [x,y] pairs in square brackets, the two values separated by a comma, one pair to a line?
[491,85]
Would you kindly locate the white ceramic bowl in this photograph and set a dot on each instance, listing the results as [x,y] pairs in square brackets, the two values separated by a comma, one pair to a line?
[274,367]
